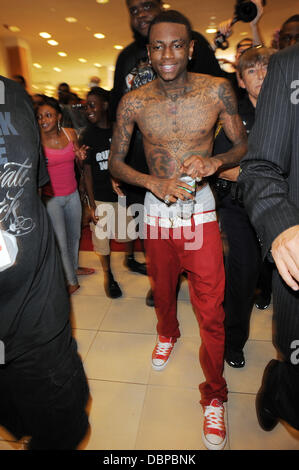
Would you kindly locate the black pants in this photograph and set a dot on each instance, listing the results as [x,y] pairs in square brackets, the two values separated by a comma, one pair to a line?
[283,380]
[44,394]
[242,267]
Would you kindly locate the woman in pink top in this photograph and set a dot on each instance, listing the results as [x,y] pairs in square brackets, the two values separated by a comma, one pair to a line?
[61,196]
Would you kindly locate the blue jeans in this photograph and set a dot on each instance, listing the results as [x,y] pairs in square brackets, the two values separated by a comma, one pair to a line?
[65,213]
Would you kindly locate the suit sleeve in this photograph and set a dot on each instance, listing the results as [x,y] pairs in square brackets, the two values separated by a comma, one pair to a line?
[266,167]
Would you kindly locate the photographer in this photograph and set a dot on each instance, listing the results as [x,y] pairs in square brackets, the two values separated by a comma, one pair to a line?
[225,28]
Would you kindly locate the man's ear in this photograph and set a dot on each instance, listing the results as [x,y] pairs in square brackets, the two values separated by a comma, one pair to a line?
[191,49]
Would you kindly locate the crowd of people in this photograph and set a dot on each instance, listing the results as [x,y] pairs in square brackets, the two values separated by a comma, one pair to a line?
[175,131]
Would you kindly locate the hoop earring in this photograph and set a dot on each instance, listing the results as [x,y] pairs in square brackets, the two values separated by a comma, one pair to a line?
[59,126]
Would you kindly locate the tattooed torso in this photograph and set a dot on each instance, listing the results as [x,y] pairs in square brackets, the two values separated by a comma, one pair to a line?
[180,124]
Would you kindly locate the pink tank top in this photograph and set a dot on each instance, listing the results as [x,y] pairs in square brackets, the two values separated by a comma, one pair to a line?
[60,163]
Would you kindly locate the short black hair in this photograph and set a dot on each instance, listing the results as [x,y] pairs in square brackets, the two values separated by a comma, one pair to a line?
[100,92]
[292,19]
[172,16]
[52,102]
[159,1]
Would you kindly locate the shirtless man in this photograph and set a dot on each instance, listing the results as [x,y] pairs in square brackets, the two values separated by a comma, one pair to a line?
[176,114]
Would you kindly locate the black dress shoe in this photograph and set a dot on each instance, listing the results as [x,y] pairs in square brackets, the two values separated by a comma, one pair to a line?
[136,267]
[235,358]
[262,301]
[149,300]
[112,288]
[266,415]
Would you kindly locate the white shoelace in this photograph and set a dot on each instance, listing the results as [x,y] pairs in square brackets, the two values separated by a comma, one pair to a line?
[162,349]
[214,417]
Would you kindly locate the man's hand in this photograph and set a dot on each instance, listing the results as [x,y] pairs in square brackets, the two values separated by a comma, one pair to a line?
[170,189]
[285,252]
[116,186]
[197,166]
[230,175]
[225,27]
[93,216]
[80,152]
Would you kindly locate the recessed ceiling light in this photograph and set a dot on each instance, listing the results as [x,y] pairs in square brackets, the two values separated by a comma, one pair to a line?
[99,35]
[57,69]
[81,59]
[14,29]
[37,66]
[97,65]
[118,47]
[102,1]
[62,54]
[71,19]
[244,33]
[45,35]
[52,42]
[211,30]
[166,6]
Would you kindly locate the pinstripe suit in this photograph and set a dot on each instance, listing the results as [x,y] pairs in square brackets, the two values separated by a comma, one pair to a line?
[270,182]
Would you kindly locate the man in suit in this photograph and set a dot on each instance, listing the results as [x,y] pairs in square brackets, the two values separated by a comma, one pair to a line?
[269,179]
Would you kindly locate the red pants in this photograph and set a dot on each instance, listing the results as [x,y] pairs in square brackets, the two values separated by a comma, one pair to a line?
[167,259]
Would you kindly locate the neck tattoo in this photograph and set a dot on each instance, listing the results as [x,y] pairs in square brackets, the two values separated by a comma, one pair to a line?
[173,107]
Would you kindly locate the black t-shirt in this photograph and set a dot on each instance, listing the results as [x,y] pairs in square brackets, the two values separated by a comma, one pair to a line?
[34,305]
[99,141]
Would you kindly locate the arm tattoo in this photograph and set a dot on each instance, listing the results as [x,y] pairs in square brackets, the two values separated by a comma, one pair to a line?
[226,95]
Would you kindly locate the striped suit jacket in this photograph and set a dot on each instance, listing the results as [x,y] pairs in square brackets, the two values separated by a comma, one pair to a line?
[269,175]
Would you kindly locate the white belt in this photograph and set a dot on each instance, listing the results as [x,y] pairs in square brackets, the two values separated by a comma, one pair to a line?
[175,222]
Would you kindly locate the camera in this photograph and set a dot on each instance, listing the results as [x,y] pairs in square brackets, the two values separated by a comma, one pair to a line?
[245,11]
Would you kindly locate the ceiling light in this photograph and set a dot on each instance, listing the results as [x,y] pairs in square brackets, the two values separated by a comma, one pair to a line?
[45,35]
[62,54]
[14,29]
[166,6]
[102,1]
[57,69]
[97,65]
[71,19]
[52,42]
[118,47]
[211,30]
[81,59]
[37,66]
[99,35]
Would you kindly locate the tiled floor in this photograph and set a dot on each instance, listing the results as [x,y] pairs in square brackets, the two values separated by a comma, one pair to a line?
[136,408]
